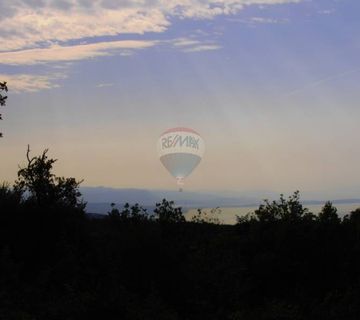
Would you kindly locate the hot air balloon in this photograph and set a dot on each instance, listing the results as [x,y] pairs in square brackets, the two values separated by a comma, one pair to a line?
[180,151]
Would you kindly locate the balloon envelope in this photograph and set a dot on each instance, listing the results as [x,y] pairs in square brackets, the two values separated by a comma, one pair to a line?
[180,151]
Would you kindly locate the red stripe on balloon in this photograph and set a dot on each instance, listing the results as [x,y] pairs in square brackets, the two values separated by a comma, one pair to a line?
[180,129]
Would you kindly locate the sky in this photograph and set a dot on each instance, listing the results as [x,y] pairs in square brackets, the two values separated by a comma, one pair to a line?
[272,86]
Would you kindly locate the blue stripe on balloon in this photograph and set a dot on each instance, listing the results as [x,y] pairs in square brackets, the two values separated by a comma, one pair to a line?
[180,165]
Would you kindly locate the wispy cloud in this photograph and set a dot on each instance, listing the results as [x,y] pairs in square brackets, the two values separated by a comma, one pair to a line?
[30,24]
[267,20]
[31,83]
[58,32]
[327,11]
[104,85]
[56,53]
[34,27]
[185,42]
[259,20]
[194,45]
[321,81]
[203,47]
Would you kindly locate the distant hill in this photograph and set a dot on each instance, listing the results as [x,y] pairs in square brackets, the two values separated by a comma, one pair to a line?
[99,199]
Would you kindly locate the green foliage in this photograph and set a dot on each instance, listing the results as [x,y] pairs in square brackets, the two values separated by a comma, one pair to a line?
[250,216]
[276,263]
[294,269]
[355,216]
[9,198]
[134,213]
[328,214]
[43,188]
[165,211]
[289,209]
[3,88]
[353,221]
[203,216]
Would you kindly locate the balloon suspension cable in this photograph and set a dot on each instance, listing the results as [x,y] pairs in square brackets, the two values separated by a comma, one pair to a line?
[180,183]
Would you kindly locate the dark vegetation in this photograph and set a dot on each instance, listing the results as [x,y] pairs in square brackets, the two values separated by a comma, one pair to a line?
[280,262]
[3,97]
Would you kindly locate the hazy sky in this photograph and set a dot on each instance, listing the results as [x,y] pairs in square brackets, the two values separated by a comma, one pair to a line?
[273,86]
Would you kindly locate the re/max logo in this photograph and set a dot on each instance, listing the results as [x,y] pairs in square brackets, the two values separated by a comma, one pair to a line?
[177,140]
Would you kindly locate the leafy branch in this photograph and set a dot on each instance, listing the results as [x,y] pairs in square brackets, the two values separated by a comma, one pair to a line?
[3,97]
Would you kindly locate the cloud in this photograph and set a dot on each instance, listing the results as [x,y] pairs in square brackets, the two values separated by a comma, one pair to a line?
[59,32]
[56,53]
[259,20]
[327,11]
[104,85]
[30,83]
[322,81]
[267,20]
[29,24]
[185,42]
[193,45]
[203,47]
[31,28]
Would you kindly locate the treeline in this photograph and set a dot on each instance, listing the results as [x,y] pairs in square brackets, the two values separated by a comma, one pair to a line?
[279,262]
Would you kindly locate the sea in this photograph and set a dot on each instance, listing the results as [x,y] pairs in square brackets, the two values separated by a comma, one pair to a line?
[229,215]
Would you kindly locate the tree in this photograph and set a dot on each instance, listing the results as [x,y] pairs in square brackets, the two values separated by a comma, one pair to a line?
[203,216]
[354,221]
[166,212]
[9,198]
[328,214]
[289,209]
[355,215]
[135,213]
[40,186]
[3,88]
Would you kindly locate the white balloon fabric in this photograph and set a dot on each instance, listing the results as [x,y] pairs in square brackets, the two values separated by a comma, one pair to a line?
[180,151]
